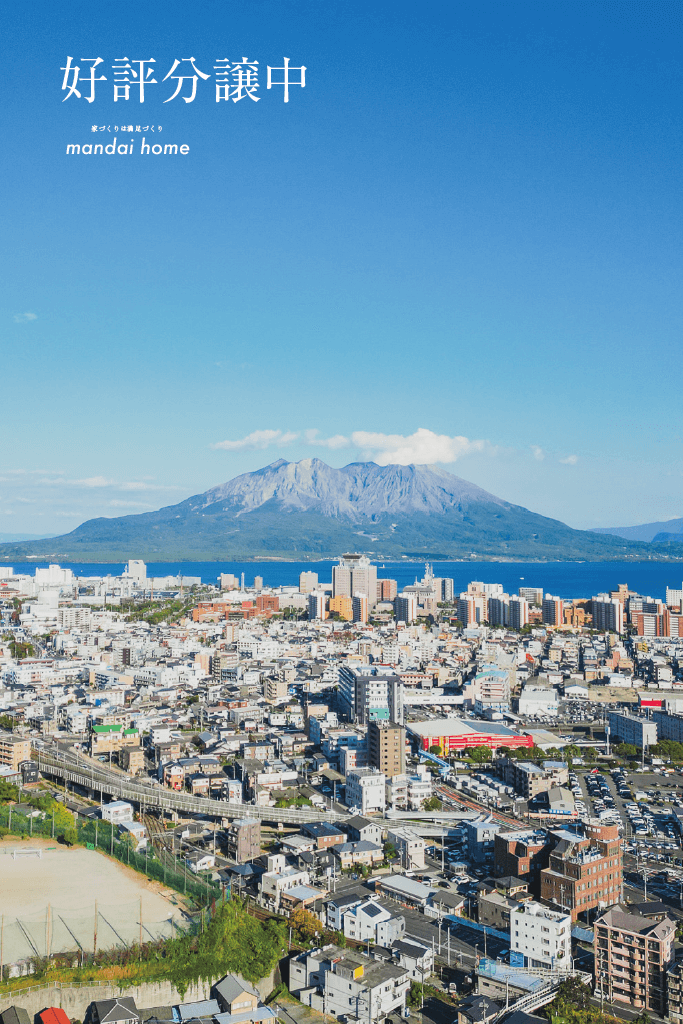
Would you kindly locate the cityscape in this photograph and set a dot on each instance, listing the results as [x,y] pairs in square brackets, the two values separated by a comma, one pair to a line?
[466,800]
[341,518]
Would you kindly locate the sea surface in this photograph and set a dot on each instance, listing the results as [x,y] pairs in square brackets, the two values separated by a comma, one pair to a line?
[563,579]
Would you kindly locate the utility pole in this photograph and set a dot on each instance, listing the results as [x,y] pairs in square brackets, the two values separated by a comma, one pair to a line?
[94,944]
[140,940]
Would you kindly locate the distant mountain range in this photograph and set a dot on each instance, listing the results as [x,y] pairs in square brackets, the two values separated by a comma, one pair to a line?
[9,537]
[307,510]
[651,533]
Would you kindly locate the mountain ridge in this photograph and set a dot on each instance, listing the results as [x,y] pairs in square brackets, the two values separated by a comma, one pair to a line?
[308,509]
[651,533]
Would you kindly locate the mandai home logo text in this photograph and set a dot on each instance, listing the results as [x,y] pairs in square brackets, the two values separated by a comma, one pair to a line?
[127,148]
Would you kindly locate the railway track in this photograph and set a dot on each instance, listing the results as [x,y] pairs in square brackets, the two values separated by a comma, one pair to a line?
[480,808]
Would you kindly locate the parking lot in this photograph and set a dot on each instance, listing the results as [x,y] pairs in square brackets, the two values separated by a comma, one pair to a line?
[640,803]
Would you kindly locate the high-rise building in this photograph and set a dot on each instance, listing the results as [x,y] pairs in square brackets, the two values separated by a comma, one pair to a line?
[228,581]
[633,952]
[387,747]
[258,582]
[533,595]
[406,608]
[308,581]
[499,610]
[317,602]
[518,612]
[472,609]
[608,614]
[355,574]
[367,695]
[360,607]
[553,611]
[386,590]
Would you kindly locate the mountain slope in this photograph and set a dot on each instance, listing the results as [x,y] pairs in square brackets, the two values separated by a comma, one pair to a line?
[308,509]
[648,532]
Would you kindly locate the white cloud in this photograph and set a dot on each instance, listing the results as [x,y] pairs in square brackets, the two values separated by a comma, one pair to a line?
[538,452]
[7,512]
[142,485]
[424,447]
[129,504]
[69,515]
[92,481]
[258,439]
[570,460]
[24,318]
[334,442]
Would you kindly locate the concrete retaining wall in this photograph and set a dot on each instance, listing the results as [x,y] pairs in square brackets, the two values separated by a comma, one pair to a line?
[75,999]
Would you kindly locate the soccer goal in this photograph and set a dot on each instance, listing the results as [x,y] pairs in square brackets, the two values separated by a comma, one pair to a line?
[27,852]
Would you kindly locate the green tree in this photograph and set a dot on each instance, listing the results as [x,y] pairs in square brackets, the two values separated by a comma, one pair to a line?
[8,792]
[432,804]
[435,749]
[627,750]
[481,754]
[572,992]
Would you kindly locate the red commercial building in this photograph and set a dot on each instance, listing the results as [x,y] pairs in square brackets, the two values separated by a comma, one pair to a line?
[454,734]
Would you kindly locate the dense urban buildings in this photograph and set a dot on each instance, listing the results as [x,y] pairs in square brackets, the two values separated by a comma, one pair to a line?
[347,709]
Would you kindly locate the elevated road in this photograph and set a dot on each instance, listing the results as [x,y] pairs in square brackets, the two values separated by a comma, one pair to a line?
[148,797]
[85,772]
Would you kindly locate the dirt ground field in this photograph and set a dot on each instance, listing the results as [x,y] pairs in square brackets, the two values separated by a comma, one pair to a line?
[48,903]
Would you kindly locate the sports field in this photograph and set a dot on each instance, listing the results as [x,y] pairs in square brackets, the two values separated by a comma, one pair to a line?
[49,903]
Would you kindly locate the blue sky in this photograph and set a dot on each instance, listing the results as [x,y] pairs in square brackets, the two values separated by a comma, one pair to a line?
[460,242]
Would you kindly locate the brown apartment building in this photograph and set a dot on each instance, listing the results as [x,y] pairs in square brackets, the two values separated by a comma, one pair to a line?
[244,840]
[586,871]
[523,854]
[387,748]
[632,955]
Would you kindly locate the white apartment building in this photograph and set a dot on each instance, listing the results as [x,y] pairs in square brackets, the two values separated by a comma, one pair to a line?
[365,790]
[371,921]
[117,811]
[278,879]
[408,792]
[492,689]
[541,935]
[410,847]
[347,984]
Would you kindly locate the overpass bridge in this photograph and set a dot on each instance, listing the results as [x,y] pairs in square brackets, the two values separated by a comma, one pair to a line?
[150,798]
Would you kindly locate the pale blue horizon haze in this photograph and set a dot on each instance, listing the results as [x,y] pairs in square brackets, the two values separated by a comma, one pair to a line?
[459,244]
